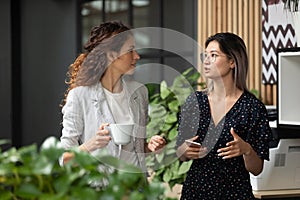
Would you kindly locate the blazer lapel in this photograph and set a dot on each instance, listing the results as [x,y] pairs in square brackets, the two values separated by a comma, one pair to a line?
[104,114]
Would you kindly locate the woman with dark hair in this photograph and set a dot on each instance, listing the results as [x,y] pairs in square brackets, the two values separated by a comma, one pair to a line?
[100,93]
[232,130]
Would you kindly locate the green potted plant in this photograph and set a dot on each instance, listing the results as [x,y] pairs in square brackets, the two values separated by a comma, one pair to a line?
[164,109]
[29,173]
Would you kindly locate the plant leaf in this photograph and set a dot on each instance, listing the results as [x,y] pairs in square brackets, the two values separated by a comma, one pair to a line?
[159,157]
[6,195]
[153,128]
[84,193]
[167,175]
[166,127]
[174,105]
[187,71]
[164,91]
[28,191]
[3,141]
[41,165]
[173,133]
[171,118]
[157,111]
[184,167]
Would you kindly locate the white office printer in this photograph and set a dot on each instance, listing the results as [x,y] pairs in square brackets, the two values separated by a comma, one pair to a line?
[283,169]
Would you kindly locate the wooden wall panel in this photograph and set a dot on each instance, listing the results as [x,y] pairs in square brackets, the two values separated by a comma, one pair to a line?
[242,17]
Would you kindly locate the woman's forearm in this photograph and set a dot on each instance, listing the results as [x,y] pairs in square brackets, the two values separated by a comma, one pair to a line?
[253,163]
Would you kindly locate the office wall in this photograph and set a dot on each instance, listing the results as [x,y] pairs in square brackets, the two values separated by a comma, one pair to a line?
[34,60]
[48,46]
[5,70]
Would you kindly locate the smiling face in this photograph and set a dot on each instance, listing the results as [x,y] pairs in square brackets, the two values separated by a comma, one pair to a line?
[216,64]
[125,61]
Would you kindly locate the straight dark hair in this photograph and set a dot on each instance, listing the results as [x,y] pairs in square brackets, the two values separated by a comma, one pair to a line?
[234,48]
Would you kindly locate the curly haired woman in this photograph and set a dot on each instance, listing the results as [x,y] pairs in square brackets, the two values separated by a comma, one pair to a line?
[101,93]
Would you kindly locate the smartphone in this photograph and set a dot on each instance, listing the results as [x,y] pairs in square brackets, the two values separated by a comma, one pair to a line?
[192,142]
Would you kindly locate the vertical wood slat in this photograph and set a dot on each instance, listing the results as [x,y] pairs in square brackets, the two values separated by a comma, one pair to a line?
[210,14]
[242,17]
[240,31]
[230,17]
[258,43]
[251,50]
[248,36]
[234,16]
[219,20]
[200,19]
[225,14]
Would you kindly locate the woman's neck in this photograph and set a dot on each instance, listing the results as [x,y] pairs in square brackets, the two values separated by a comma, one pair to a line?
[112,83]
[225,89]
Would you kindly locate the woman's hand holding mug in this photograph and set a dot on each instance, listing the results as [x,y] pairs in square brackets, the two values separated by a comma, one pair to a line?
[100,140]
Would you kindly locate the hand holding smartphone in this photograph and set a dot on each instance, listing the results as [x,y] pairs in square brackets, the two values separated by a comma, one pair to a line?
[193,150]
[190,142]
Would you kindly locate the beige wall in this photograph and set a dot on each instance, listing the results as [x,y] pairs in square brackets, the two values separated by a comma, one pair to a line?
[243,17]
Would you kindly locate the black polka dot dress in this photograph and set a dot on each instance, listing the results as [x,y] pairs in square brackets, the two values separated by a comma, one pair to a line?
[212,177]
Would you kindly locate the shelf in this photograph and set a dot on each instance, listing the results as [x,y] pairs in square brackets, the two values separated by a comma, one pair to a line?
[275,194]
[288,85]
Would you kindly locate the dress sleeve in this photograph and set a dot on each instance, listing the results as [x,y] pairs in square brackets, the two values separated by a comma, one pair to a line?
[72,121]
[261,134]
[188,119]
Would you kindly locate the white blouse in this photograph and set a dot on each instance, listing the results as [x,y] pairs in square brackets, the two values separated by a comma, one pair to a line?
[119,106]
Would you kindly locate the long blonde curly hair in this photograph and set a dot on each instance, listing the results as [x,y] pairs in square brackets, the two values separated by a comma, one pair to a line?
[89,66]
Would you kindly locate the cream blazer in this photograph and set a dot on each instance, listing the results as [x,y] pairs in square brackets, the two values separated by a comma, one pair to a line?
[86,109]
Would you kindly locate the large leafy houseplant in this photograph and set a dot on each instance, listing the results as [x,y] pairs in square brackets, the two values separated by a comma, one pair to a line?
[29,173]
[164,109]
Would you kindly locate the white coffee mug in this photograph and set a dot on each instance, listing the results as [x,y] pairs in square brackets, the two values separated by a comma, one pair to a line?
[120,133]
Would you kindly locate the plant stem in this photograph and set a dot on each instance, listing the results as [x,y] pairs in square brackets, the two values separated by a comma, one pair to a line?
[40,181]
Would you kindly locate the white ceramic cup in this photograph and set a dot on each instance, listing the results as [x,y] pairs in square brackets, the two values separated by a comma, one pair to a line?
[120,133]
